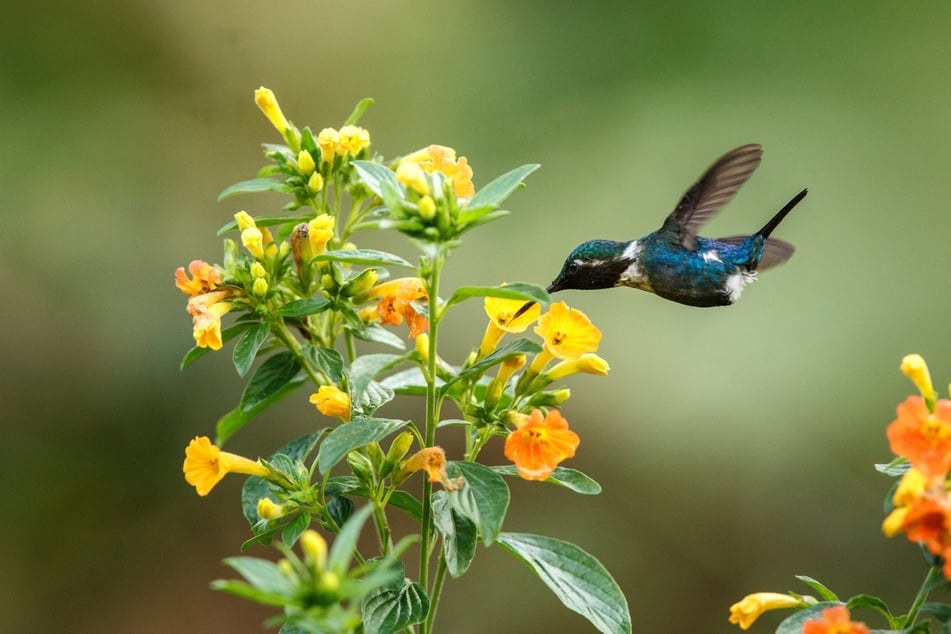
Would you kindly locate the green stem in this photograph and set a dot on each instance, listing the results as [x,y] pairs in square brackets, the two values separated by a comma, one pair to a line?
[926,587]
[282,333]
[382,527]
[434,598]
[432,418]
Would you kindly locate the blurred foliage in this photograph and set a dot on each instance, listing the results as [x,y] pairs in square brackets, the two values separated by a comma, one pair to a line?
[122,121]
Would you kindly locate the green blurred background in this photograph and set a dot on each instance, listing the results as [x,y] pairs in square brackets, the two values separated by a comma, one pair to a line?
[735,446]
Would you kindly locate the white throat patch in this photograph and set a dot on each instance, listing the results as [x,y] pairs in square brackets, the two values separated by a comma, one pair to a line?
[737,282]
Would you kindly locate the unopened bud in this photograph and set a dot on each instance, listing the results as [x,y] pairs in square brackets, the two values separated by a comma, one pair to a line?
[268,510]
[315,548]
[260,286]
[315,183]
[305,162]
[257,270]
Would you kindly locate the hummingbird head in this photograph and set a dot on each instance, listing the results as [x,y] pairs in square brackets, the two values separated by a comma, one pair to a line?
[594,264]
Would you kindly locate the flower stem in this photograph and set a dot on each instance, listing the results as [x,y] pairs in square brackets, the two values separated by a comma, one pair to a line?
[282,333]
[926,587]
[437,590]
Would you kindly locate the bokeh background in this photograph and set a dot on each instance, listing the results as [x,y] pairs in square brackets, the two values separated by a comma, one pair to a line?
[735,446]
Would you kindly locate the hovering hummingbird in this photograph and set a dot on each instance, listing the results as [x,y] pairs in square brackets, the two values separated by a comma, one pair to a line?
[674,262]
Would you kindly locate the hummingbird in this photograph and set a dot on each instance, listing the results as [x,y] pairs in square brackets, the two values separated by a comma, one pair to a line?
[676,263]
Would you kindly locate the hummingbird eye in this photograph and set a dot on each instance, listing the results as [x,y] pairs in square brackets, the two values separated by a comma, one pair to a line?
[572,267]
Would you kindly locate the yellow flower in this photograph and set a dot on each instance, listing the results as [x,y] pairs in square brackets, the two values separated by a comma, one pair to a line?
[253,240]
[205,465]
[204,278]
[914,367]
[268,510]
[432,460]
[315,548]
[305,162]
[442,159]
[508,367]
[206,311]
[331,401]
[315,183]
[244,220]
[352,139]
[568,334]
[411,175]
[540,444]
[320,231]
[750,607]
[267,102]
[589,363]
[501,312]
[910,489]
[427,207]
[327,140]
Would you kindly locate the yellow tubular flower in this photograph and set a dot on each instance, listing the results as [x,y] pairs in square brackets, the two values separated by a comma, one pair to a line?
[500,312]
[568,333]
[267,102]
[327,140]
[411,175]
[352,139]
[910,489]
[914,367]
[589,363]
[206,311]
[244,220]
[253,240]
[321,230]
[331,401]
[509,367]
[432,460]
[750,607]
[205,465]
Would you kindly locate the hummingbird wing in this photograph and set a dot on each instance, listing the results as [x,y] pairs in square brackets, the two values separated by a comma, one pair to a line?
[775,251]
[715,189]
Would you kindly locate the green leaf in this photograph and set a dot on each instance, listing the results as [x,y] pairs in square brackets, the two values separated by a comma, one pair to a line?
[483,498]
[267,221]
[340,509]
[294,528]
[256,487]
[500,354]
[498,190]
[387,610]
[270,377]
[793,624]
[378,334]
[263,575]
[381,181]
[339,485]
[358,111]
[459,534]
[357,433]
[304,307]
[226,335]
[819,587]
[372,398]
[245,591]
[327,360]
[562,476]
[940,611]
[342,550]
[369,257]
[247,347]
[256,185]
[237,418]
[516,290]
[579,580]
[896,468]
[409,381]
[365,368]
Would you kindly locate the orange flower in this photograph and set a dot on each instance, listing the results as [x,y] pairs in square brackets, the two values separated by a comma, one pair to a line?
[442,159]
[204,278]
[432,460]
[538,445]
[395,305]
[206,311]
[922,437]
[834,620]
[331,401]
[205,465]
[501,313]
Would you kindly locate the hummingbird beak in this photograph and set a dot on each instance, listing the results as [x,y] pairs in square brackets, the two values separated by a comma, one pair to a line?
[521,311]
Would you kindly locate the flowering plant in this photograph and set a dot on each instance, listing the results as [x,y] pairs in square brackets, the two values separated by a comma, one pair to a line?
[919,505]
[310,309]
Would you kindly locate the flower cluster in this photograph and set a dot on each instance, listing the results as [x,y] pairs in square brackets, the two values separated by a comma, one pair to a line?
[921,434]
[309,307]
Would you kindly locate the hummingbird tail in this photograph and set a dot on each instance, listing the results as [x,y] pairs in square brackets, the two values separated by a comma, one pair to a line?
[778,218]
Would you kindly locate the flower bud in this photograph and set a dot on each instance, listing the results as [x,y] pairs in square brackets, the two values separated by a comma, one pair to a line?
[362,283]
[259,287]
[327,140]
[411,175]
[268,510]
[305,162]
[914,367]
[331,401]
[361,466]
[315,183]
[427,208]
[553,398]
[315,549]
[257,270]
[244,220]
[398,450]
[320,231]
[253,241]
[267,102]
[422,346]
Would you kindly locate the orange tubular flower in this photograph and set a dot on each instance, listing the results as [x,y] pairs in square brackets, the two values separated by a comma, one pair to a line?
[395,305]
[500,312]
[331,401]
[204,278]
[442,159]
[206,311]
[835,620]
[432,460]
[922,437]
[540,444]
[205,465]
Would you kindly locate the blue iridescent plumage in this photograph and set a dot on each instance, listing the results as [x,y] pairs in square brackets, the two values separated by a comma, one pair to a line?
[674,262]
